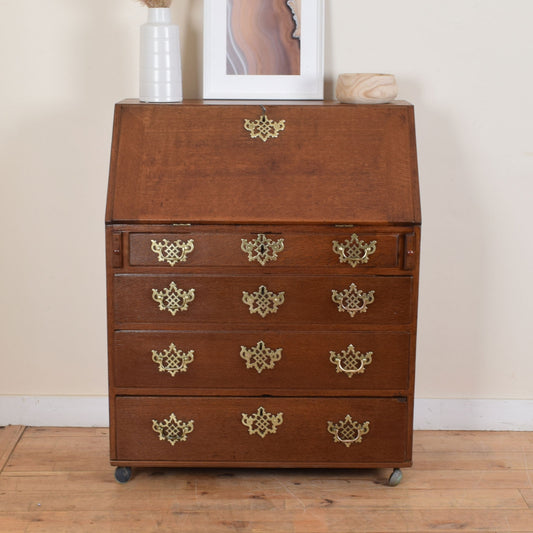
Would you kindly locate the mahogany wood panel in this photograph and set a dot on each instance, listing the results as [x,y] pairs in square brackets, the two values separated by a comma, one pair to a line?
[301,249]
[304,365]
[331,164]
[219,434]
[218,299]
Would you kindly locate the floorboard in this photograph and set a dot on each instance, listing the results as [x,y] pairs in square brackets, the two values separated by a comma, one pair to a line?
[9,437]
[59,480]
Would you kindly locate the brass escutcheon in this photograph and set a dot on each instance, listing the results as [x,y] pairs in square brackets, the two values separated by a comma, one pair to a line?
[172,360]
[262,423]
[172,252]
[263,127]
[262,249]
[260,356]
[353,250]
[348,431]
[352,300]
[263,301]
[350,361]
[173,430]
[173,299]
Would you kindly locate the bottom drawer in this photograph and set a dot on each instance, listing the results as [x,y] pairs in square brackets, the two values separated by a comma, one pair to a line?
[228,431]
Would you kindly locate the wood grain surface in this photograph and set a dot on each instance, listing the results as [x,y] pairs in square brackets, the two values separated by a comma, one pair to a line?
[304,363]
[302,439]
[333,163]
[58,480]
[219,299]
[310,247]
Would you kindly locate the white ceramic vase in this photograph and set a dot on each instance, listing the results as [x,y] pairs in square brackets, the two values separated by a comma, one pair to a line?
[160,61]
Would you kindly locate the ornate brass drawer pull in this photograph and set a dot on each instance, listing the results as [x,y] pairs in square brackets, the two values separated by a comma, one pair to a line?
[173,299]
[172,360]
[173,430]
[350,361]
[263,127]
[353,250]
[263,301]
[352,300]
[260,356]
[347,431]
[172,252]
[262,423]
[262,249]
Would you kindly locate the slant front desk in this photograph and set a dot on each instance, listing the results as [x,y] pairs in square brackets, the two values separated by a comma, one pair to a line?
[262,279]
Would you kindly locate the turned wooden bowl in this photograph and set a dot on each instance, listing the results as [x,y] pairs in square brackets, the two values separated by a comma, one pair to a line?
[366,88]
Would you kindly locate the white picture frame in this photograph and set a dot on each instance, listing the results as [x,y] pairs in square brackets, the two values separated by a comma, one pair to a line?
[308,85]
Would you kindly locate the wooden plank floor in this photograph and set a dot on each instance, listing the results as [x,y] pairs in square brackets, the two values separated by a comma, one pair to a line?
[59,480]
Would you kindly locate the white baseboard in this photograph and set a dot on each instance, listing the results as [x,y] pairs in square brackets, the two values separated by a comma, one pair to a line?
[430,414]
[60,411]
[483,415]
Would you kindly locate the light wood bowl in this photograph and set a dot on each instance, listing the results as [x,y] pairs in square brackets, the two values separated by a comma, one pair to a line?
[366,88]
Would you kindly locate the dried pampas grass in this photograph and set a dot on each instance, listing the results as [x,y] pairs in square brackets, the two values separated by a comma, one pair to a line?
[156,3]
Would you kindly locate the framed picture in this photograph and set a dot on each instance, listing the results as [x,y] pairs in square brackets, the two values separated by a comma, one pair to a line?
[264,49]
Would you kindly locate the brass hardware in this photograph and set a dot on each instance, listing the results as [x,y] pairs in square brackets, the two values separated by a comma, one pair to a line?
[350,361]
[172,299]
[262,249]
[352,300]
[263,127]
[260,356]
[172,429]
[263,301]
[353,250]
[261,422]
[172,252]
[348,431]
[173,360]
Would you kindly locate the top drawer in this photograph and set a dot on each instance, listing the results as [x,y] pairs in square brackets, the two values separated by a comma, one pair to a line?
[346,248]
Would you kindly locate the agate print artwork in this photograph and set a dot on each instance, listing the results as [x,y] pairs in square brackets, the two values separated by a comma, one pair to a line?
[263,37]
[263,50]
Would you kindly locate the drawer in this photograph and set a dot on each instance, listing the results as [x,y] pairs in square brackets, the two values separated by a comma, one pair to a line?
[348,249]
[262,360]
[263,300]
[248,431]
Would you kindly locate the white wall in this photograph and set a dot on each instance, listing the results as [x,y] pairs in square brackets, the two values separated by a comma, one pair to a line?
[467,65]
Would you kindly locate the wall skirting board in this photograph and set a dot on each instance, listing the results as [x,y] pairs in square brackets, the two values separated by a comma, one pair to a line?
[430,414]
[470,414]
[60,411]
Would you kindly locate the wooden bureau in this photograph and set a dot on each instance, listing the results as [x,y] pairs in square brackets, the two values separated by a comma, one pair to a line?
[262,280]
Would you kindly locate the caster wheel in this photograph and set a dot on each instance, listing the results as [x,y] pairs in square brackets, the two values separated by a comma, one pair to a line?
[395,477]
[123,474]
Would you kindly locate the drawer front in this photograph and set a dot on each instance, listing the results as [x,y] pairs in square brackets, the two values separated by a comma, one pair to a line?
[261,300]
[261,430]
[262,360]
[347,249]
